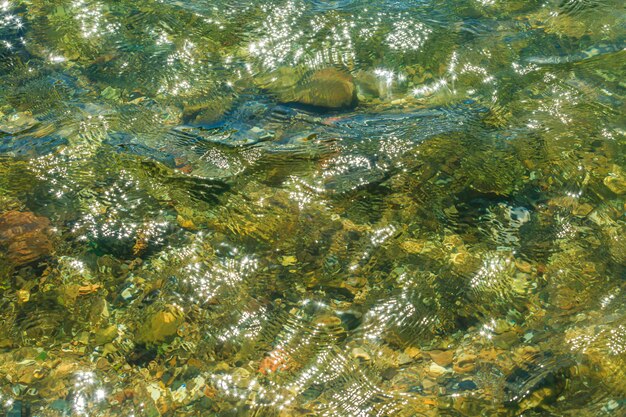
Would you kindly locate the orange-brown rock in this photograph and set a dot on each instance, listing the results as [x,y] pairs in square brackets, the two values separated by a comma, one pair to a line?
[441,357]
[274,361]
[465,363]
[25,236]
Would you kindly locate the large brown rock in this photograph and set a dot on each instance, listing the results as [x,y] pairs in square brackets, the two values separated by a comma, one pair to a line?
[328,88]
[25,236]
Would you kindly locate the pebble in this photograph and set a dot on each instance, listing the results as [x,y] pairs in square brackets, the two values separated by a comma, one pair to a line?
[404,359]
[180,394]
[441,357]
[62,406]
[389,373]
[582,210]
[465,363]
[221,367]
[523,266]
[612,405]
[467,385]
[412,246]
[615,183]
[154,391]
[505,340]
[23,296]
[360,353]
[413,352]
[288,260]
[369,86]
[241,377]
[106,335]
[427,384]
[185,223]
[436,371]
[18,122]
[111,93]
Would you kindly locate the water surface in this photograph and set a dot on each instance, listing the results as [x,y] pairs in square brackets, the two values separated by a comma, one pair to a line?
[312,208]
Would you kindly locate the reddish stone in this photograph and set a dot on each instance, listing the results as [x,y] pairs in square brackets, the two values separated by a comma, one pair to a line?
[276,360]
[186,169]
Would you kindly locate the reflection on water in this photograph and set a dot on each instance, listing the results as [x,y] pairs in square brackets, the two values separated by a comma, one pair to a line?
[312,208]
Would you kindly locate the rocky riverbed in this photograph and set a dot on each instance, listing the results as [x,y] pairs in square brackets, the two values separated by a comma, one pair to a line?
[312,208]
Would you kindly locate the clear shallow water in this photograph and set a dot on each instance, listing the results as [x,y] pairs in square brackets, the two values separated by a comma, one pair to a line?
[322,208]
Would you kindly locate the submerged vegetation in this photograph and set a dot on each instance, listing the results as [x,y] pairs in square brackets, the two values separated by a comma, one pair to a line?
[312,208]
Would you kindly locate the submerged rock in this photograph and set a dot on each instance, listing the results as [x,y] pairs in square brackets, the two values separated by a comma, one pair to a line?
[368,85]
[329,88]
[18,122]
[160,325]
[616,183]
[25,235]
[105,335]
[442,357]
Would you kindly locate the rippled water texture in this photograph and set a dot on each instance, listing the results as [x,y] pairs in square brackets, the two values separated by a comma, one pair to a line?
[287,208]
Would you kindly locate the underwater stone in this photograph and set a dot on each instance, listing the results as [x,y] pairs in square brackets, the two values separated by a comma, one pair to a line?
[413,246]
[413,352]
[404,359]
[161,325]
[466,362]
[442,357]
[111,93]
[328,88]
[368,85]
[360,353]
[615,183]
[467,385]
[106,335]
[18,122]
[25,235]
[436,370]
